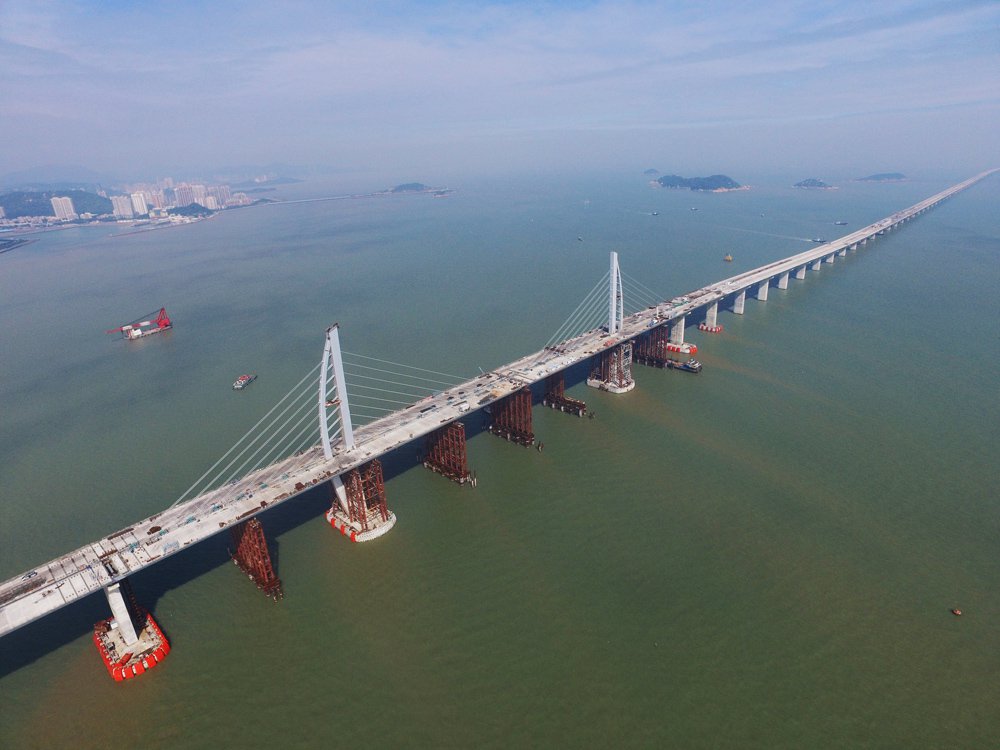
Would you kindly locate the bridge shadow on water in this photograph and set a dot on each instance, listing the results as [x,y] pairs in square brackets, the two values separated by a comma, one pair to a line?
[32,642]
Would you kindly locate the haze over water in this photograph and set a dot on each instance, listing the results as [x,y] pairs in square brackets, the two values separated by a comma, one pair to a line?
[762,555]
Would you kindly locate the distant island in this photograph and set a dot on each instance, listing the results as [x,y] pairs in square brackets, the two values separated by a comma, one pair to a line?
[190,210]
[419,187]
[651,172]
[257,182]
[883,177]
[814,184]
[716,183]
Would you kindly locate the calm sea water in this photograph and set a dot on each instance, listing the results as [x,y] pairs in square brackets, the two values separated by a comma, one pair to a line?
[763,555]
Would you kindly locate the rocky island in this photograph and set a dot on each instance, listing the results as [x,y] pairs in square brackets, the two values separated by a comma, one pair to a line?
[814,184]
[716,183]
[419,187]
[883,177]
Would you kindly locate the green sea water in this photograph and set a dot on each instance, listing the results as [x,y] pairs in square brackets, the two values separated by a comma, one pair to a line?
[762,555]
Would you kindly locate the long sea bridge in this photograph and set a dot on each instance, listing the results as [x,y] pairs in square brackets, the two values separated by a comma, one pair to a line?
[346,456]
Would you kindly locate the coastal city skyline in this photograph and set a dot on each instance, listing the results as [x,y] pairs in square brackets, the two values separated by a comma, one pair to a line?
[397,87]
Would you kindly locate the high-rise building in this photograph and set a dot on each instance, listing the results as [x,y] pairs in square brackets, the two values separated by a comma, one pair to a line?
[221,193]
[200,193]
[184,195]
[3,214]
[156,199]
[63,208]
[211,203]
[139,203]
[122,205]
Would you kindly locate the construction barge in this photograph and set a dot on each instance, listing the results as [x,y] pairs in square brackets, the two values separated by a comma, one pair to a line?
[138,329]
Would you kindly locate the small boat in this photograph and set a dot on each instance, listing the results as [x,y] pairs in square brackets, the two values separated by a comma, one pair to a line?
[840,223]
[243,381]
[694,208]
[691,365]
[957,612]
[818,240]
[728,258]
[656,213]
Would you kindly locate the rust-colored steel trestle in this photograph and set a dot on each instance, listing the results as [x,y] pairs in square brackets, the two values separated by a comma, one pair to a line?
[556,398]
[366,494]
[446,453]
[651,348]
[614,366]
[252,557]
[512,418]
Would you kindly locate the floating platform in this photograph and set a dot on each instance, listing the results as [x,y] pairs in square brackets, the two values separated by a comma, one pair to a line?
[124,661]
[353,531]
[709,329]
[610,387]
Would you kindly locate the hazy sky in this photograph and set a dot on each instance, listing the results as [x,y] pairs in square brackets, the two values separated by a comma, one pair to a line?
[428,89]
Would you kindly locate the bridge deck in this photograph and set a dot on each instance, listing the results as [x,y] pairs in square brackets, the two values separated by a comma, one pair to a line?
[72,576]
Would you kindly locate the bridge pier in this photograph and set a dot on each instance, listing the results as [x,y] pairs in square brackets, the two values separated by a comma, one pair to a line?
[762,290]
[712,315]
[800,272]
[816,265]
[556,398]
[129,642]
[711,323]
[125,610]
[783,281]
[830,258]
[446,455]
[739,302]
[864,242]
[364,514]
[251,555]
[854,247]
[512,418]
[612,370]
[677,330]
[842,252]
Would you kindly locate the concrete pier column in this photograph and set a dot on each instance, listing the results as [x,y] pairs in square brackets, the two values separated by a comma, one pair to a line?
[677,330]
[817,264]
[854,247]
[800,272]
[783,281]
[864,242]
[842,252]
[739,302]
[762,290]
[712,315]
[830,258]
[122,612]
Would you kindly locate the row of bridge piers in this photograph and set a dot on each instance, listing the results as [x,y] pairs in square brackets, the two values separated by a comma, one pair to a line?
[359,507]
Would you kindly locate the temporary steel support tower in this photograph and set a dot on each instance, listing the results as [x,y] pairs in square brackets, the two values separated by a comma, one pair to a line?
[366,494]
[555,396]
[614,368]
[446,453]
[651,348]
[512,418]
[338,399]
[251,555]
